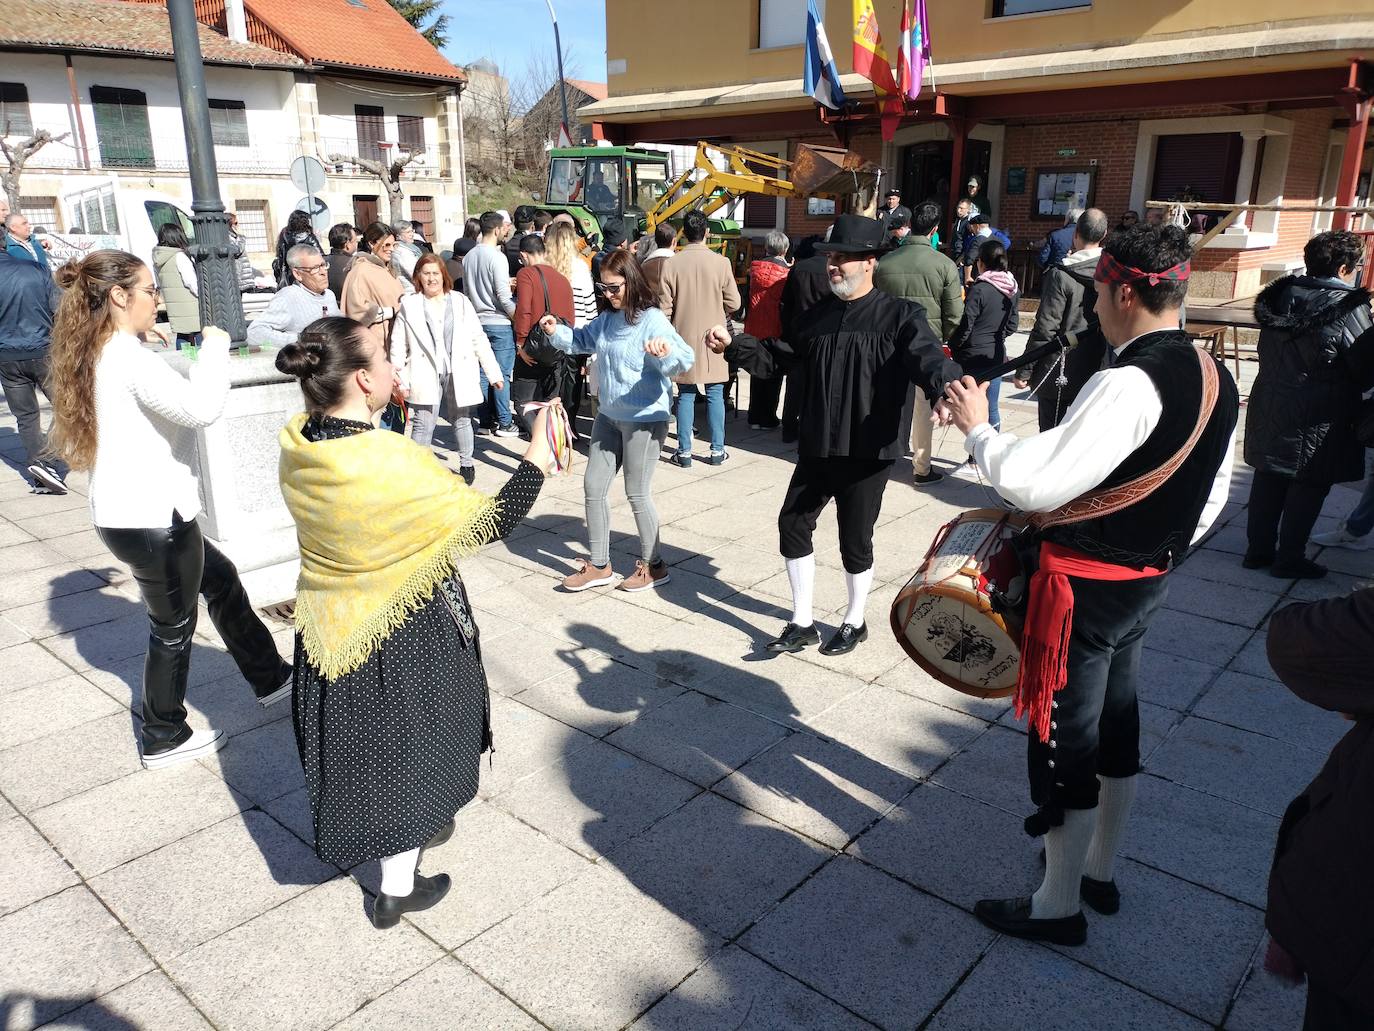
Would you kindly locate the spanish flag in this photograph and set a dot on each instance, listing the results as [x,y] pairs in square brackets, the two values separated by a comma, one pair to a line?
[871,61]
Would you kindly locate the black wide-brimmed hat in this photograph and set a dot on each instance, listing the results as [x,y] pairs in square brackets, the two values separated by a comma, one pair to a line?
[855,234]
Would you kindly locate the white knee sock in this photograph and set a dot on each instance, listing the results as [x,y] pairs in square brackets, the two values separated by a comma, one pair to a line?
[1066,848]
[857,584]
[1113,808]
[398,873]
[801,574]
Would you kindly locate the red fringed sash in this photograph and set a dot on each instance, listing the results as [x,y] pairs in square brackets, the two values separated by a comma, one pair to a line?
[1049,621]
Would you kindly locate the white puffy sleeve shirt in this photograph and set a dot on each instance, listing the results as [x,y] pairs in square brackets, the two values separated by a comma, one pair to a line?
[146,415]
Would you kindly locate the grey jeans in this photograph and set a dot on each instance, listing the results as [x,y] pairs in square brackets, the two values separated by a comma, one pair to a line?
[635,445]
[423,417]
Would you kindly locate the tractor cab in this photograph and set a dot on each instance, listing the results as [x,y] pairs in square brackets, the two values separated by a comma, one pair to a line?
[596,183]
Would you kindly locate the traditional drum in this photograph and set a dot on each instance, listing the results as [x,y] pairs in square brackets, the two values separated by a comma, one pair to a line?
[956,617]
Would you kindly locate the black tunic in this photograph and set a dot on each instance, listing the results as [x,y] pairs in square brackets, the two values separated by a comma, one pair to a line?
[858,358]
[391,750]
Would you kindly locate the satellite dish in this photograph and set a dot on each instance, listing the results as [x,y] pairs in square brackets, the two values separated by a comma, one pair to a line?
[307,174]
[318,211]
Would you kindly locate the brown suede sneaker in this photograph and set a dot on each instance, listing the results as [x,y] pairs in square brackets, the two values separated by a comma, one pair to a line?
[644,577]
[589,576]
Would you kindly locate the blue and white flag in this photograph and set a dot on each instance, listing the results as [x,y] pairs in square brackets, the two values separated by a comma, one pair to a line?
[821,79]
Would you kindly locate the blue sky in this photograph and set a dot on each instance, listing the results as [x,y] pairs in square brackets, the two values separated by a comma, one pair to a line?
[507,30]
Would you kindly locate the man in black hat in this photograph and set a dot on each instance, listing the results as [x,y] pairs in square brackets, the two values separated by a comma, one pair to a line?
[893,209]
[858,350]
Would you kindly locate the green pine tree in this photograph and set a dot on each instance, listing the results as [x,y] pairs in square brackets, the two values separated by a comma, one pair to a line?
[418,12]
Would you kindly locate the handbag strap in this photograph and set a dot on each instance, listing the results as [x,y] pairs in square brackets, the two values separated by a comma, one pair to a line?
[548,308]
[1096,504]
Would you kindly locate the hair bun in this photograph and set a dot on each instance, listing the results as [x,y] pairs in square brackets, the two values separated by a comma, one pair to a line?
[69,273]
[300,359]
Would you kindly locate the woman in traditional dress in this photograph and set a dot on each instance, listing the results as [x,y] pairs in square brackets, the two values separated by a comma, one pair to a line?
[391,709]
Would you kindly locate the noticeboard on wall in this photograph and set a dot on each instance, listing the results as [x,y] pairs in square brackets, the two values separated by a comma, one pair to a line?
[1016,179]
[1059,189]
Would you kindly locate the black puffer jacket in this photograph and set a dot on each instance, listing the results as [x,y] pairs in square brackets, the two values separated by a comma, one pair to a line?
[1316,356]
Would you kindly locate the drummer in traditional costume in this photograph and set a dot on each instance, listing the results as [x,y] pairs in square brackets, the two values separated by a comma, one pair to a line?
[1135,473]
[859,351]
[391,706]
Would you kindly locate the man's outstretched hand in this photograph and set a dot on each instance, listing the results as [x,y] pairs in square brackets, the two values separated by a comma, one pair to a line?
[966,401]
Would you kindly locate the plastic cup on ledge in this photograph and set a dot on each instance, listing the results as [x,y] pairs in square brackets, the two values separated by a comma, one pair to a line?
[243,350]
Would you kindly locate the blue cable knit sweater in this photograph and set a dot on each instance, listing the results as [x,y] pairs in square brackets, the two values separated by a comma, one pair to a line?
[635,387]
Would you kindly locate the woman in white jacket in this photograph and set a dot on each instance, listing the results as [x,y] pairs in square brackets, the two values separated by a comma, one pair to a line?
[438,344]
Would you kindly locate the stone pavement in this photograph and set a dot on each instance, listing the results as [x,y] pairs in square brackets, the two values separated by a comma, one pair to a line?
[676,831]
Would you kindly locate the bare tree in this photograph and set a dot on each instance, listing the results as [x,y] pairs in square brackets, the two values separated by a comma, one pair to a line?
[389,174]
[18,154]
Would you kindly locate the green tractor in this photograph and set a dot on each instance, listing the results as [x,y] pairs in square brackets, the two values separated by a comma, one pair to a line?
[593,184]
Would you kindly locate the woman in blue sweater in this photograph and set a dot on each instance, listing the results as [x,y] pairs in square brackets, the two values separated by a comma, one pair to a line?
[638,352]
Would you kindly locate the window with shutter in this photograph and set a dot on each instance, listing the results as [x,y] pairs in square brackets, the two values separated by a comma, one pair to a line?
[411,130]
[760,211]
[371,130]
[1197,166]
[253,225]
[229,122]
[422,211]
[15,119]
[121,127]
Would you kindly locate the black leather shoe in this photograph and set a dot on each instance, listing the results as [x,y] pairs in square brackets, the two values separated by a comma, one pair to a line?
[1302,569]
[1103,896]
[1013,917]
[468,473]
[794,638]
[923,478]
[846,639]
[426,893]
[1256,561]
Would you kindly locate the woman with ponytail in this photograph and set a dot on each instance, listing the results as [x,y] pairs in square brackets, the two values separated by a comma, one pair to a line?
[121,412]
[391,712]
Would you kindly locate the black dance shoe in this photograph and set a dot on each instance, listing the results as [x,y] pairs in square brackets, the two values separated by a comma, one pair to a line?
[1103,896]
[1299,569]
[1013,917]
[1256,561]
[426,893]
[468,473]
[794,638]
[846,639]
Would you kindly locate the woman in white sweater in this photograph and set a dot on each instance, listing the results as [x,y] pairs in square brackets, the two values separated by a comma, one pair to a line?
[439,343]
[120,411]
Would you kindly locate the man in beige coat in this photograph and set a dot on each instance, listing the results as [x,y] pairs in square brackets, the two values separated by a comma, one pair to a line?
[698,292]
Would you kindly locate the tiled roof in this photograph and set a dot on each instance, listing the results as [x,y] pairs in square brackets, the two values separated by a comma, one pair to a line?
[595,90]
[104,26]
[367,34]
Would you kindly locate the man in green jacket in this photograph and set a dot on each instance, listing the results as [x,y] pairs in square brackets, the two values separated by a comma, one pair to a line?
[916,271]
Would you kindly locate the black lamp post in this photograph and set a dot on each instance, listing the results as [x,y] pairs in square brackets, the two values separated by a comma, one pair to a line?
[220,302]
[562,82]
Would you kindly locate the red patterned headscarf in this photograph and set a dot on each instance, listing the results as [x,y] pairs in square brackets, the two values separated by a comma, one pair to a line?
[1111,271]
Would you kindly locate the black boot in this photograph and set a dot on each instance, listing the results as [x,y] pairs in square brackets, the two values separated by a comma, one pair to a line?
[1013,917]
[794,638]
[426,893]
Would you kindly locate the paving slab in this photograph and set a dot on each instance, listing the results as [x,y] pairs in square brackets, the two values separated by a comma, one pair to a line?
[607,953]
[596,798]
[28,665]
[33,869]
[440,998]
[1242,606]
[736,991]
[162,898]
[337,961]
[151,1001]
[954,847]
[1195,637]
[1046,990]
[908,734]
[823,789]
[525,657]
[1194,963]
[1251,769]
[909,678]
[748,863]
[75,611]
[108,825]
[28,586]
[1222,568]
[903,951]
[1266,1002]
[100,644]
[992,768]
[263,763]
[1201,838]
[527,742]
[700,738]
[601,697]
[52,707]
[1172,680]
[40,946]
[293,812]
[1267,707]
[1253,660]
[10,634]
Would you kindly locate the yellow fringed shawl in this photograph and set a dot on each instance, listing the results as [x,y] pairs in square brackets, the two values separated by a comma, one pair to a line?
[381,523]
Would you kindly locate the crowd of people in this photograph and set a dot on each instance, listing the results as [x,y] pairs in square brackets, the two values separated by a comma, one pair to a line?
[868,337]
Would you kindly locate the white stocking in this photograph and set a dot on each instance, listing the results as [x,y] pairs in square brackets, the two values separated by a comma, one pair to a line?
[398,873]
[801,574]
[857,584]
[1066,848]
[1113,809]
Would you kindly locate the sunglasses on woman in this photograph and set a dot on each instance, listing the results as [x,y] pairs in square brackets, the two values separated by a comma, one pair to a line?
[609,288]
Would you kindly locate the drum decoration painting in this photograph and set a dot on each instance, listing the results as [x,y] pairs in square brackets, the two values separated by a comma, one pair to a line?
[959,616]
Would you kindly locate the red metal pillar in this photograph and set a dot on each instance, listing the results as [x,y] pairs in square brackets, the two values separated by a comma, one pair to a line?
[1355,98]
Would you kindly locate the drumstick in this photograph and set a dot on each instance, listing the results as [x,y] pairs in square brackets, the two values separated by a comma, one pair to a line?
[1062,342]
